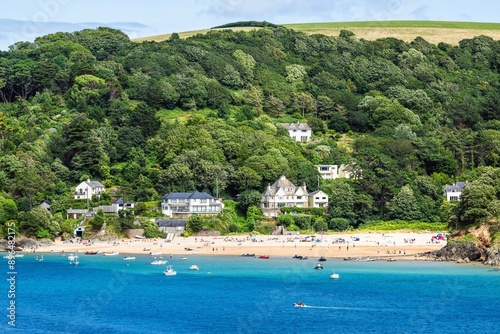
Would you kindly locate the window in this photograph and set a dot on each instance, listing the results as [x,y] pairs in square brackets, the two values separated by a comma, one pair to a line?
[323,168]
[303,138]
[299,197]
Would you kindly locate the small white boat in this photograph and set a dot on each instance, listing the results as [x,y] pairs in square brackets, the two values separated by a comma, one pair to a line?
[170,271]
[194,267]
[111,254]
[184,258]
[156,262]
[157,253]
[299,304]
[334,275]
[10,256]
[319,266]
[71,257]
[129,258]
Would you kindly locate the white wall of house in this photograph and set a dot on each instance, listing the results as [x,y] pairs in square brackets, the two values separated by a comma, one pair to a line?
[328,172]
[318,199]
[85,191]
[173,206]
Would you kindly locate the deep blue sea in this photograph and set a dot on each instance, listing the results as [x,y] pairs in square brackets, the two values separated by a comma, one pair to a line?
[106,294]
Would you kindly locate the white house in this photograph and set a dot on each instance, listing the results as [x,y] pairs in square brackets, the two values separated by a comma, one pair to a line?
[454,191]
[329,172]
[299,131]
[318,199]
[283,193]
[87,189]
[183,205]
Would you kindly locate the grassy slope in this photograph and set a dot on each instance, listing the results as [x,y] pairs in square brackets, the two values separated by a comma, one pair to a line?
[432,31]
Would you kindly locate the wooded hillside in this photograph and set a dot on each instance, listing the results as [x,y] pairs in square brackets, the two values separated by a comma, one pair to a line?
[202,113]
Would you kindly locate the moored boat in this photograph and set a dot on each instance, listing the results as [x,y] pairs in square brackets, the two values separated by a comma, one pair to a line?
[129,258]
[169,271]
[334,275]
[194,267]
[111,254]
[319,266]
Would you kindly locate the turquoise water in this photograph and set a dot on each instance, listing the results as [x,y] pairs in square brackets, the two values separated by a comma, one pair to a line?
[247,295]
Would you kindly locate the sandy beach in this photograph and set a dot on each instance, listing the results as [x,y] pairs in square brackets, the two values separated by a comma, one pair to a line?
[373,245]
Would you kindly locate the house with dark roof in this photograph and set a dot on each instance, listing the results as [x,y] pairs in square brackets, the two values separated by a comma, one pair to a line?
[299,131]
[317,199]
[183,205]
[453,192]
[171,226]
[284,193]
[88,188]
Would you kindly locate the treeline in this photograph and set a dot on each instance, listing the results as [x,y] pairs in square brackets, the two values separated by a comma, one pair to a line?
[202,113]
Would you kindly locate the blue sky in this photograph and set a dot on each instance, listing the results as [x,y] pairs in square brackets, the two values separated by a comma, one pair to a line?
[26,19]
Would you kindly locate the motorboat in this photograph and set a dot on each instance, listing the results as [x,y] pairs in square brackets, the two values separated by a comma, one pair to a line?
[368,259]
[183,258]
[90,252]
[319,266]
[334,275]
[194,267]
[71,257]
[391,260]
[111,254]
[299,304]
[127,258]
[160,260]
[248,255]
[169,271]
[322,259]
[264,257]
[348,258]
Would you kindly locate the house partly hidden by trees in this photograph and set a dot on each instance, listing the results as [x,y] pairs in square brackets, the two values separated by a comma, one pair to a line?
[453,192]
[184,205]
[299,131]
[329,172]
[284,193]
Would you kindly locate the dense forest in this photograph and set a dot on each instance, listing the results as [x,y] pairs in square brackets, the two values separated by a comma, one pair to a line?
[203,114]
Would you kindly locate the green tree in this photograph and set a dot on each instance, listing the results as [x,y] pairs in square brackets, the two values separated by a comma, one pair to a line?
[404,205]
[249,198]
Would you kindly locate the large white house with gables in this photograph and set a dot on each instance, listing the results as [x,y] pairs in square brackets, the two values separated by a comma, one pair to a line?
[87,189]
[183,205]
[284,193]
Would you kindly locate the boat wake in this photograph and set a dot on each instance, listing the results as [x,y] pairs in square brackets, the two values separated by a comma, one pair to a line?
[335,308]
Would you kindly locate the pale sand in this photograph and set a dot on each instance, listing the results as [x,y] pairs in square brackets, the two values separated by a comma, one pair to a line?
[388,245]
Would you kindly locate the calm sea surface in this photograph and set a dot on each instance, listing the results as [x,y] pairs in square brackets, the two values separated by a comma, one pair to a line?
[106,294]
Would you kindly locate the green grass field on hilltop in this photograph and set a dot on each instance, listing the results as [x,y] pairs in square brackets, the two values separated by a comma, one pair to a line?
[450,32]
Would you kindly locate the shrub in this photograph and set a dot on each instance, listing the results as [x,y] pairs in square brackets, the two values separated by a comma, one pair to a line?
[339,224]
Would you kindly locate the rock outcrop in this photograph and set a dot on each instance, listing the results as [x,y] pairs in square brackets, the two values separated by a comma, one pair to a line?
[459,250]
[493,256]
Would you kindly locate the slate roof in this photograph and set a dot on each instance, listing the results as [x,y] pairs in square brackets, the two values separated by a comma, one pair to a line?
[194,195]
[458,186]
[288,187]
[94,184]
[296,126]
[171,223]
[315,192]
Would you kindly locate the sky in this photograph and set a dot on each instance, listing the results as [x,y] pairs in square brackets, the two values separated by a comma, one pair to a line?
[24,20]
